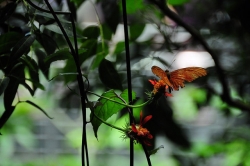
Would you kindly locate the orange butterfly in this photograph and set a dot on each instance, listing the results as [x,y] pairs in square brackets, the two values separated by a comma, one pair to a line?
[177,78]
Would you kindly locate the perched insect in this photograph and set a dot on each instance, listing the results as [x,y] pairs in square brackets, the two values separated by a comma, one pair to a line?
[176,79]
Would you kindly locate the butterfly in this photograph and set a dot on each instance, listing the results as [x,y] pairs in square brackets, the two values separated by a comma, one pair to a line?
[176,79]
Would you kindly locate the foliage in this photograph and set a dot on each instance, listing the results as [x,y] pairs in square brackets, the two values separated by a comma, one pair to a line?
[37,36]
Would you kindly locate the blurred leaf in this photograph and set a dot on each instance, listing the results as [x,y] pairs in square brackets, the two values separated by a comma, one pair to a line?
[21,47]
[106,108]
[62,54]
[112,13]
[7,10]
[134,6]
[154,151]
[107,33]
[109,76]
[177,2]
[8,40]
[47,42]
[35,105]
[78,2]
[91,32]
[120,47]
[3,84]
[136,30]
[44,67]
[29,62]
[101,54]
[6,115]
[4,60]
[17,72]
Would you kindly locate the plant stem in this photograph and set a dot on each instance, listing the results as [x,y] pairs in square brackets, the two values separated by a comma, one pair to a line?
[125,22]
[127,105]
[79,79]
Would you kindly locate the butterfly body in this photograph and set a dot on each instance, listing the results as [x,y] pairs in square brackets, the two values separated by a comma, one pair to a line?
[176,79]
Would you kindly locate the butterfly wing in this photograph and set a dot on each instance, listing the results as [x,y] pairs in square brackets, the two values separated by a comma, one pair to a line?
[161,74]
[178,77]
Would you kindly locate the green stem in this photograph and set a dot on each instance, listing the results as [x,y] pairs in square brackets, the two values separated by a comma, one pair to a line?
[110,125]
[126,105]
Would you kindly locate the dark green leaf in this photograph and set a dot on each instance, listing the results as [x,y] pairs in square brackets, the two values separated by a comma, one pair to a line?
[155,150]
[6,115]
[8,40]
[177,2]
[109,76]
[47,42]
[4,60]
[33,70]
[21,47]
[106,108]
[10,92]
[112,13]
[35,105]
[77,2]
[44,67]
[120,47]
[3,84]
[136,30]
[62,54]
[91,32]
[101,54]
[134,6]
[29,62]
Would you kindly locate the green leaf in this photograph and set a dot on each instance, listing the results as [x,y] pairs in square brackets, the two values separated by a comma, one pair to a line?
[120,47]
[35,105]
[21,47]
[33,73]
[101,54]
[154,151]
[8,40]
[44,67]
[177,2]
[109,76]
[62,54]
[106,108]
[136,30]
[47,42]
[6,115]
[3,84]
[17,72]
[91,32]
[29,62]
[133,6]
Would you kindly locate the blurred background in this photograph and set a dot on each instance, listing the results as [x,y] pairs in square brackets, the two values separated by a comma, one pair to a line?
[195,126]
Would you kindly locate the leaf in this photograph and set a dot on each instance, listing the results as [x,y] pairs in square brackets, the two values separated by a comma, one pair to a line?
[44,67]
[154,151]
[47,42]
[134,6]
[8,40]
[35,105]
[34,74]
[6,115]
[177,2]
[3,84]
[109,76]
[91,32]
[120,47]
[136,30]
[17,72]
[101,54]
[62,54]
[106,108]
[21,47]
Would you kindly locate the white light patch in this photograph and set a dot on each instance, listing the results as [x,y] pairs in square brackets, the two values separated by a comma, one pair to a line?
[192,59]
